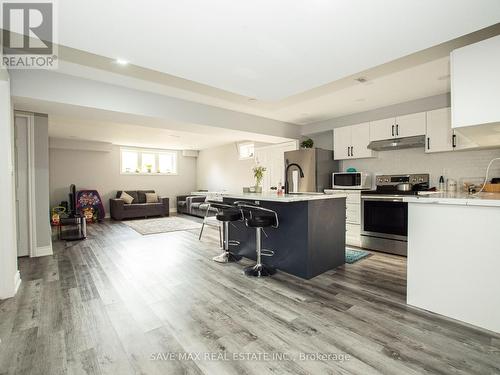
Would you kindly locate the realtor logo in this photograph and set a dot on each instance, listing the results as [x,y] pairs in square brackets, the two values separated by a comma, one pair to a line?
[28,35]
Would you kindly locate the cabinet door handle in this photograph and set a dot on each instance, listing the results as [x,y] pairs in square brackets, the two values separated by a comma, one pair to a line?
[352,150]
[454,140]
[397,129]
[348,151]
[428,143]
[393,130]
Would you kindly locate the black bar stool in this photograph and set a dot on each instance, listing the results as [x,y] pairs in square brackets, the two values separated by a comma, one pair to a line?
[259,218]
[227,213]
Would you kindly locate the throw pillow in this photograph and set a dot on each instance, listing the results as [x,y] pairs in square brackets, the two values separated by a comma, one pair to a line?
[151,198]
[127,198]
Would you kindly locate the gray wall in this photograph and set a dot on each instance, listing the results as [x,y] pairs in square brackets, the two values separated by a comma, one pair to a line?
[101,171]
[322,140]
[43,231]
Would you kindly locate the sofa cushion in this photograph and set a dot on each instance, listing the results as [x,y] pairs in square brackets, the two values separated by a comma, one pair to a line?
[141,206]
[151,198]
[127,198]
[132,193]
[196,205]
[141,195]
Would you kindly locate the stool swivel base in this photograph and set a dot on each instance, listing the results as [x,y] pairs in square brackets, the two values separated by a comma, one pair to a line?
[259,269]
[227,256]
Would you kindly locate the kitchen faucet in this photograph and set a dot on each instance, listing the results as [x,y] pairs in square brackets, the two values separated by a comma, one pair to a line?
[287,187]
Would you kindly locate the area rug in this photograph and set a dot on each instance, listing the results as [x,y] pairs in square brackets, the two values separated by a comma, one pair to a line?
[352,256]
[162,225]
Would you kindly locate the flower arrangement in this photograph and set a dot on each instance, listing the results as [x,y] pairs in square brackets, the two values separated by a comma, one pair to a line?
[258,173]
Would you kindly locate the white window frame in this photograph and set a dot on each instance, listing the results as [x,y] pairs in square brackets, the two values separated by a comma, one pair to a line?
[246,144]
[157,154]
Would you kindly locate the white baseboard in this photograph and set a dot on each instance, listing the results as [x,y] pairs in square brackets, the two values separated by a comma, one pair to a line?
[17,281]
[43,251]
[172,210]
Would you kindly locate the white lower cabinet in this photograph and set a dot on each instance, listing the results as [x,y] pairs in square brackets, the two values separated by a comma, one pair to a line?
[353,217]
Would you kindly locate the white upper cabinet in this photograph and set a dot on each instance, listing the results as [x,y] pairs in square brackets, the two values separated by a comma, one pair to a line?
[398,127]
[342,138]
[439,134]
[475,83]
[350,142]
[382,129]
[360,140]
[410,125]
[441,137]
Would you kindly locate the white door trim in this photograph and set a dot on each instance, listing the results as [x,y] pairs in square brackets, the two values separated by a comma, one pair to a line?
[30,123]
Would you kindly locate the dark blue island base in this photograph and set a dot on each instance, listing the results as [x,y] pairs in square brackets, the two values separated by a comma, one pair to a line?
[309,241]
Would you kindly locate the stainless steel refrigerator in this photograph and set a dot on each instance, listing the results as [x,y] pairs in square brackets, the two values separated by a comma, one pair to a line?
[317,166]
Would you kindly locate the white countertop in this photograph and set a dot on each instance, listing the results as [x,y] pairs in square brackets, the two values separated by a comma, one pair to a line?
[464,199]
[274,197]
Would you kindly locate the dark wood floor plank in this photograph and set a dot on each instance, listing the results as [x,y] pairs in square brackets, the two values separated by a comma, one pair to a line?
[118,302]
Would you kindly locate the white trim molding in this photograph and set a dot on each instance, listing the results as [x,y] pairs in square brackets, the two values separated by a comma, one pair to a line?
[43,251]
[30,123]
[17,281]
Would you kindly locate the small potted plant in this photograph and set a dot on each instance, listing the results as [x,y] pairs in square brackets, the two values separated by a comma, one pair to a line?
[258,173]
[308,143]
[149,167]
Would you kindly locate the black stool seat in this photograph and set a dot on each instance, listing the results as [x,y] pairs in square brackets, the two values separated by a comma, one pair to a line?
[229,215]
[261,221]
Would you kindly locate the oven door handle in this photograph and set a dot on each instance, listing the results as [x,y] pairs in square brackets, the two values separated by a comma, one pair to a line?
[386,199]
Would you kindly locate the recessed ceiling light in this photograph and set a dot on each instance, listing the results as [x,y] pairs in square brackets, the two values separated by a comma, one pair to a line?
[361,79]
[121,62]
[252,99]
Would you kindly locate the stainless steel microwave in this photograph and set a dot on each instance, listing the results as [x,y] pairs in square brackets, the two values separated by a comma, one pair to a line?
[351,180]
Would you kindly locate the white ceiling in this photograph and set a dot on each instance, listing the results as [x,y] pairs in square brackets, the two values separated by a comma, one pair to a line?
[266,49]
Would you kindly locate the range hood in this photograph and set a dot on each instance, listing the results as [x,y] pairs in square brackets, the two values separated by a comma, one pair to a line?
[397,143]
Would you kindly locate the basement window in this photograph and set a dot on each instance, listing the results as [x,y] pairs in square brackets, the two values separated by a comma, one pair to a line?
[148,162]
[246,150]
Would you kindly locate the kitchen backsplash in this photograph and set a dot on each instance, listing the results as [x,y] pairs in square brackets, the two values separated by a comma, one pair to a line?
[458,165]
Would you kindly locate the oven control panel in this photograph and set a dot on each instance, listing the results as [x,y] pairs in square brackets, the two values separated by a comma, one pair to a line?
[392,180]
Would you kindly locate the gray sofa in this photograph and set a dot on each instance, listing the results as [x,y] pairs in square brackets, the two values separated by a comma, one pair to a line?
[119,210]
[194,205]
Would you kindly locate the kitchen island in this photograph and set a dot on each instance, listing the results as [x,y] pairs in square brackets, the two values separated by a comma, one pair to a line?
[454,256]
[310,238]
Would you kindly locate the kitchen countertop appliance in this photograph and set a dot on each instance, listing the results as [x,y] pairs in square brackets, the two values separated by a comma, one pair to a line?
[384,215]
[351,180]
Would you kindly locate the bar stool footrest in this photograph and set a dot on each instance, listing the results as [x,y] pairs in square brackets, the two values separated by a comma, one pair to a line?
[266,252]
[233,243]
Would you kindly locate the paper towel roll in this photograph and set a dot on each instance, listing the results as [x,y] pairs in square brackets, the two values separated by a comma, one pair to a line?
[295,181]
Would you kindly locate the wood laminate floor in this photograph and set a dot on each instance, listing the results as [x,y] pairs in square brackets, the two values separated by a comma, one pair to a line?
[121,303]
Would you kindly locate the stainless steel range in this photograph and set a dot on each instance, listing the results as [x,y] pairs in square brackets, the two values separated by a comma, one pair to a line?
[384,215]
